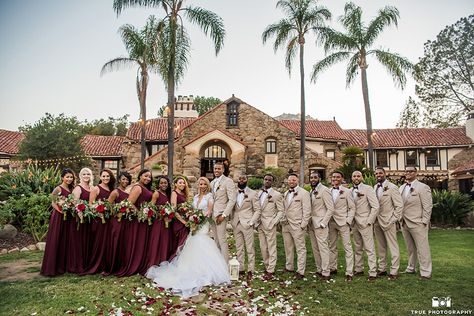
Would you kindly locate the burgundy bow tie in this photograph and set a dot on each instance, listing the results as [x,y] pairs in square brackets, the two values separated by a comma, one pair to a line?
[356,187]
[379,185]
[264,190]
[335,188]
[408,184]
[291,190]
[241,191]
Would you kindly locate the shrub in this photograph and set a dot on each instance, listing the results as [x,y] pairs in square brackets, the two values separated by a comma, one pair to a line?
[5,216]
[279,174]
[450,207]
[255,183]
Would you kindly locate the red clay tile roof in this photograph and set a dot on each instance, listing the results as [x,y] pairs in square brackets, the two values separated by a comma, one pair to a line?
[10,141]
[317,129]
[157,129]
[410,137]
[467,167]
[102,146]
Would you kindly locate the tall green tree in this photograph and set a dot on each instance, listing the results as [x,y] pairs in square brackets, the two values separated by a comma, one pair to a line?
[142,48]
[60,135]
[110,127]
[175,45]
[411,115]
[204,104]
[302,17]
[445,75]
[355,45]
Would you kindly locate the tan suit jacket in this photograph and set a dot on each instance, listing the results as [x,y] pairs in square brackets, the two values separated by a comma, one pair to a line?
[224,196]
[366,205]
[391,204]
[418,204]
[248,212]
[298,211]
[270,212]
[344,207]
[322,206]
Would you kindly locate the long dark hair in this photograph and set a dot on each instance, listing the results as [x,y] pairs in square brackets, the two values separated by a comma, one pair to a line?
[64,172]
[111,183]
[168,189]
[148,186]
[126,175]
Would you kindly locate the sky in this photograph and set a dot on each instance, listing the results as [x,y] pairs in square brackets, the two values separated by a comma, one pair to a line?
[52,51]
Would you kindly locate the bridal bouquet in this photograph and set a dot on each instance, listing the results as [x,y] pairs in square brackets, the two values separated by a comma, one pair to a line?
[195,218]
[65,204]
[167,213]
[81,208]
[147,212]
[100,209]
[184,208]
[123,208]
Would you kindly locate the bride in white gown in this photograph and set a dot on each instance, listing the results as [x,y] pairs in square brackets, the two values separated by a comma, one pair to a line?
[199,263]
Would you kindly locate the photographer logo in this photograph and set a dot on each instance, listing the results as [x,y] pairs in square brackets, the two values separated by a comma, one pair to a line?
[441,302]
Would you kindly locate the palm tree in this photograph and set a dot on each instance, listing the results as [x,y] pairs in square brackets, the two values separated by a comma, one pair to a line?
[142,47]
[175,46]
[302,18]
[355,45]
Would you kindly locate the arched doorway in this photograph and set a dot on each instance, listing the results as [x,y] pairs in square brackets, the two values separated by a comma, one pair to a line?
[212,153]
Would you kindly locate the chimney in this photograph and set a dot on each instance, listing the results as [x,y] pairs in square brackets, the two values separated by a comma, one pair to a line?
[470,126]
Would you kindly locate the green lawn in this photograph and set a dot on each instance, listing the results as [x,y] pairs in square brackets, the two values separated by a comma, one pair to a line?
[453,276]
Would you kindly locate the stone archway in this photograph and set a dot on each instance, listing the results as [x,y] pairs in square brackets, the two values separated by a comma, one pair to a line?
[212,152]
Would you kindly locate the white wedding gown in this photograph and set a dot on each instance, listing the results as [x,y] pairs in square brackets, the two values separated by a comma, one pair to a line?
[199,263]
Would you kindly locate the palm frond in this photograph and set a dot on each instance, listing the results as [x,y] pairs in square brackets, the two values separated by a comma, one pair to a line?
[327,62]
[118,64]
[291,50]
[287,6]
[352,21]
[132,40]
[282,30]
[208,21]
[386,17]
[395,64]
[316,17]
[352,69]
[120,5]
[334,40]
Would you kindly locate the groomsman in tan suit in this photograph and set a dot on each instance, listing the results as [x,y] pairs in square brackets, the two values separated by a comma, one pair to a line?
[417,208]
[385,228]
[322,209]
[366,210]
[297,205]
[341,221]
[246,211]
[223,192]
[271,211]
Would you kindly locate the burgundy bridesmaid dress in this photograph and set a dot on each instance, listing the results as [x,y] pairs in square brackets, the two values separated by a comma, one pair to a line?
[114,240]
[134,243]
[180,231]
[158,237]
[54,259]
[98,240]
[76,240]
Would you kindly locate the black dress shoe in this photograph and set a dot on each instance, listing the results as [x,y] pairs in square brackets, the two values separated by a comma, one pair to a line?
[381,273]
[289,271]
[241,273]
[333,272]
[425,278]
[359,273]
[268,276]
[249,275]
[371,279]
[348,278]
[392,277]
[325,277]
[299,276]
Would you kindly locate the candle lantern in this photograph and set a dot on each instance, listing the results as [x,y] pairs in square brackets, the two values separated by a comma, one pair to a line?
[234,269]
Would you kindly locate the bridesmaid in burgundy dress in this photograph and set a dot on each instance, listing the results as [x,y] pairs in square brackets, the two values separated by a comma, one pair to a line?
[180,231]
[114,241]
[135,234]
[55,259]
[80,241]
[159,236]
[99,230]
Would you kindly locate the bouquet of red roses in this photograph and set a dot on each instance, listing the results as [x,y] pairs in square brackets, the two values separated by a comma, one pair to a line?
[167,213]
[195,219]
[147,212]
[184,208]
[81,208]
[123,208]
[65,204]
[101,209]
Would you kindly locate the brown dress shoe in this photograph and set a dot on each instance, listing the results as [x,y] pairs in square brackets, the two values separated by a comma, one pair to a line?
[249,275]
[348,278]
[392,277]
[333,272]
[289,271]
[319,274]
[359,273]
[325,277]
[371,279]
[241,273]
[424,278]
[381,273]
[268,276]
[299,276]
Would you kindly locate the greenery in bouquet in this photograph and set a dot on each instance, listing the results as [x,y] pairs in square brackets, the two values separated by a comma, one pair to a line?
[147,212]
[166,212]
[65,204]
[101,209]
[184,208]
[195,219]
[124,209]
[82,211]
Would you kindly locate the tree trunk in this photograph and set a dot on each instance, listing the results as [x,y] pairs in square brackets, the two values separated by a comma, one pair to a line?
[368,117]
[171,99]
[143,118]
[302,119]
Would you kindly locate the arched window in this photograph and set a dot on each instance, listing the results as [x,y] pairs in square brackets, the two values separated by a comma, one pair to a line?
[232,114]
[215,151]
[270,146]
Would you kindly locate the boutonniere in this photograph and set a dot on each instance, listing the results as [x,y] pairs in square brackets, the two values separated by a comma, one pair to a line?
[269,197]
[341,191]
[412,189]
[359,194]
[218,188]
[295,194]
[245,196]
[385,188]
[315,193]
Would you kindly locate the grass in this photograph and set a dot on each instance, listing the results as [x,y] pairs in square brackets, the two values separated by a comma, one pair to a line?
[453,276]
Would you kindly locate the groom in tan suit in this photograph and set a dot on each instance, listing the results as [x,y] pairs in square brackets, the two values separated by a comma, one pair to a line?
[246,211]
[322,209]
[366,210]
[344,210]
[223,192]
[297,205]
[271,211]
[417,208]
[385,228]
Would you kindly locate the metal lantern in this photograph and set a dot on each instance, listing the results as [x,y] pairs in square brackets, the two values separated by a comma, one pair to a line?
[234,269]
